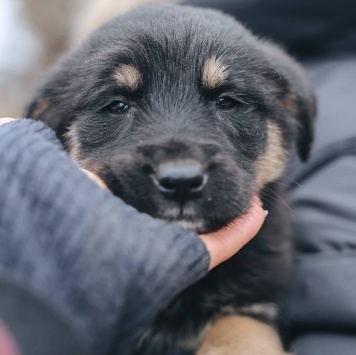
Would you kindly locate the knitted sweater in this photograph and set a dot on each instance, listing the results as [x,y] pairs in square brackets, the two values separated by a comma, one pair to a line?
[104,267]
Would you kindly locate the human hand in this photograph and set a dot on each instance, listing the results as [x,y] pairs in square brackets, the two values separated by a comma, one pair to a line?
[4,120]
[227,241]
[224,243]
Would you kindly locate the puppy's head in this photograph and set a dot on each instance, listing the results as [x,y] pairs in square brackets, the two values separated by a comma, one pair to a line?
[181,111]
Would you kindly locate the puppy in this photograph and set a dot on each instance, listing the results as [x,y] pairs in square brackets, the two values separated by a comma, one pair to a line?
[185,115]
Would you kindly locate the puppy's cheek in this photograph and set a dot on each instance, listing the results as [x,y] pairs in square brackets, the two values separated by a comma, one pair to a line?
[271,163]
[72,145]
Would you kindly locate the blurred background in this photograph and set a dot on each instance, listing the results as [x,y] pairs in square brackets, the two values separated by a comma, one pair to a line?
[33,33]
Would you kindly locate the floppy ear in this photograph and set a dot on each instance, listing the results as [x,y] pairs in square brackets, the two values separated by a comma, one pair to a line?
[51,105]
[296,95]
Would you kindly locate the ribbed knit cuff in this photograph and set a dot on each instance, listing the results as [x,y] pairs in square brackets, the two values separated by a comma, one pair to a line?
[109,268]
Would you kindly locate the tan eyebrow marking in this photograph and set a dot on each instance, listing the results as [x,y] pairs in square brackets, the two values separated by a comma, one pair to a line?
[214,73]
[290,101]
[128,76]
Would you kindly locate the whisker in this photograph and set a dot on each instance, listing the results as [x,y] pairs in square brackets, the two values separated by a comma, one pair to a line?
[292,180]
[278,197]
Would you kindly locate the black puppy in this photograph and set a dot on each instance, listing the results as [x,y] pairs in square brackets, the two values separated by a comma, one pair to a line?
[185,115]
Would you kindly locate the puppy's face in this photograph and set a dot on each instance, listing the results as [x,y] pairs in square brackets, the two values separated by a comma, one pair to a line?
[182,112]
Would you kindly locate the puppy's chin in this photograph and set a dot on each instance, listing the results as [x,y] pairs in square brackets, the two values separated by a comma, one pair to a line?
[197,226]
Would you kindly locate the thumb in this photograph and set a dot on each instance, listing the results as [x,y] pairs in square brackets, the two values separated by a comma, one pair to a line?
[226,242]
[4,120]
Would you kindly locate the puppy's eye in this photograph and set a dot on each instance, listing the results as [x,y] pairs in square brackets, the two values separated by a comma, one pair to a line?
[226,103]
[117,107]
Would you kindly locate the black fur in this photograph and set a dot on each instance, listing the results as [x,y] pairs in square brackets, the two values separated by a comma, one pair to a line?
[173,116]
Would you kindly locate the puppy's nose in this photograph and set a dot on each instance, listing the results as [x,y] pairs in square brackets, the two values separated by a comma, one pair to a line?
[181,181]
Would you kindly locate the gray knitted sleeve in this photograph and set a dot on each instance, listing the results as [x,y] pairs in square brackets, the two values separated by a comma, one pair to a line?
[105,266]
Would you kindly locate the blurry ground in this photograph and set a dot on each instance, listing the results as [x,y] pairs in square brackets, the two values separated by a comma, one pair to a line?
[32,34]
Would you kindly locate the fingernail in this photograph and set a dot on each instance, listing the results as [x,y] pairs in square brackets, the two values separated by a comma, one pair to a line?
[266,213]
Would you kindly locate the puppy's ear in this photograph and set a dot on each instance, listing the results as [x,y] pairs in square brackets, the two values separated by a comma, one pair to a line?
[51,105]
[295,94]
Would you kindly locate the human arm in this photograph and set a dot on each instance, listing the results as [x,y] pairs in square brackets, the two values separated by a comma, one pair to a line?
[92,248]
[106,267]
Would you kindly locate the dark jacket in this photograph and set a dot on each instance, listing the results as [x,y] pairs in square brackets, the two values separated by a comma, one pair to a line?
[320,309]
[75,261]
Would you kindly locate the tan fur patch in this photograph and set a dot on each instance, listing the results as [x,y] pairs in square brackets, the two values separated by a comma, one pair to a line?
[271,164]
[94,177]
[72,144]
[290,101]
[41,107]
[235,335]
[128,76]
[214,73]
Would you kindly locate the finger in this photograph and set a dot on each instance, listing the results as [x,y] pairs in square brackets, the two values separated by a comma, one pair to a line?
[4,120]
[226,242]
[95,178]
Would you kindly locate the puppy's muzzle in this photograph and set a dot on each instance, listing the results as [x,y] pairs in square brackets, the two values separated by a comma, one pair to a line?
[180,181]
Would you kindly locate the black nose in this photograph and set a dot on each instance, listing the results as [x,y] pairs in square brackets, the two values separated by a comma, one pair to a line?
[182,181]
